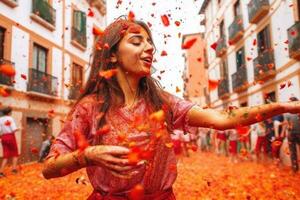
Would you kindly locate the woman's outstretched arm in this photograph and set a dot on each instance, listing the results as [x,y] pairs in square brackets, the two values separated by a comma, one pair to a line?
[231,118]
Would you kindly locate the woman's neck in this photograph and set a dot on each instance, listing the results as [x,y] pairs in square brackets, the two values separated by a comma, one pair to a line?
[129,84]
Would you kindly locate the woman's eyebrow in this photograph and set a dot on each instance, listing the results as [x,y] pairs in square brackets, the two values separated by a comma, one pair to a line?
[140,37]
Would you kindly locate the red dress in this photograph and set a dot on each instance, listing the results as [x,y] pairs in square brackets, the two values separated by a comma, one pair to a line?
[157,177]
[8,138]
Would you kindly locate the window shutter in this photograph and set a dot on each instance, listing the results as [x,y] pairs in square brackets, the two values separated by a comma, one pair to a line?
[83,22]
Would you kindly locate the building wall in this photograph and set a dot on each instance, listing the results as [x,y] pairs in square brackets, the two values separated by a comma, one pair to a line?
[21,33]
[195,71]
[282,15]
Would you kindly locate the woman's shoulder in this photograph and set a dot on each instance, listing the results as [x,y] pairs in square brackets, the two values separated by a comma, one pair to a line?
[90,100]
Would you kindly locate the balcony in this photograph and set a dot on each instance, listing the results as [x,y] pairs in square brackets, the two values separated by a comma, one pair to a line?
[236,30]
[10,3]
[42,82]
[264,67]
[239,79]
[258,9]
[78,38]
[6,80]
[44,14]
[223,89]
[294,41]
[74,92]
[221,47]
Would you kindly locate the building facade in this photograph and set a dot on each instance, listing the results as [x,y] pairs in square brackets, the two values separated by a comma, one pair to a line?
[49,43]
[195,70]
[253,49]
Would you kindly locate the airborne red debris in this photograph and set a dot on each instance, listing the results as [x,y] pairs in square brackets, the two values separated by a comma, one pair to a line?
[23,76]
[213,84]
[90,13]
[163,53]
[165,20]
[108,73]
[214,46]
[189,43]
[131,16]
[7,70]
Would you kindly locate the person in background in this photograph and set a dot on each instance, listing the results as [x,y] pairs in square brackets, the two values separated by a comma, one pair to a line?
[278,137]
[45,148]
[8,129]
[221,143]
[261,142]
[292,123]
[185,139]
[176,141]
[233,140]
[202,141]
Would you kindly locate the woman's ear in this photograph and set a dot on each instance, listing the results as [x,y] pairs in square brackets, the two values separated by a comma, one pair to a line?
[113,58]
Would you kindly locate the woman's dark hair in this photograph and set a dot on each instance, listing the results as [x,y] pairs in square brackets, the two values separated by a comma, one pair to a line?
[106,89]
[6,111]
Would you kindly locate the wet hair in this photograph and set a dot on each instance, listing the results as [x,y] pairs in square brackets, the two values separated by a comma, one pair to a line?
[106,89]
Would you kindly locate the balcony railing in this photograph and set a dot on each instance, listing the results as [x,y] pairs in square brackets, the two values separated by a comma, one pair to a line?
[236,30]
[239,79]
[6,80]
[44,10]
[294,41]
[42,82]
[264,66]
[221,47]
[79,36]
[74,92]
[223,89]
[258,9]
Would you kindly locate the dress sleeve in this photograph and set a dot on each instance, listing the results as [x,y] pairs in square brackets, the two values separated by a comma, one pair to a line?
[180,108]
[13,125]
[78,120]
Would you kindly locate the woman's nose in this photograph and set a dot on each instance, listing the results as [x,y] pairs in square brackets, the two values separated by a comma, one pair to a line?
[149,48]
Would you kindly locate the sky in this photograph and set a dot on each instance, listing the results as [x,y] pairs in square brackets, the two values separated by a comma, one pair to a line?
[168,38]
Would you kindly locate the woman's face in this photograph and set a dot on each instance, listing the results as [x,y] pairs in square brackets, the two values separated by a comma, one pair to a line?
[135,52]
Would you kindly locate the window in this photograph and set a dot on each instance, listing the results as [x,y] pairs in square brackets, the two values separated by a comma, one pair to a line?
[240,58]
[237,8]
[79,21]
[298,10]
[2,34]
[263,40]
[39,58]
[224,70]
[244,104]
[77,75]
[270,97]
[222,30]
[79,28]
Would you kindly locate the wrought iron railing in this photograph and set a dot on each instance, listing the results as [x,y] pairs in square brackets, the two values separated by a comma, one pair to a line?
[223,87]
[74,92]
[236,29]
[221,46]
[239,78]
[264,65]
[294,40]
[257,9]
[42,82]
[4,79]
[79,36]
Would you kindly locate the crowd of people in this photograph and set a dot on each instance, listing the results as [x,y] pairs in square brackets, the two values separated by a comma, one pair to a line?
[261,142]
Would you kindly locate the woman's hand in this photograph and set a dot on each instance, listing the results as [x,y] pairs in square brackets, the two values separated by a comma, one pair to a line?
[112,158]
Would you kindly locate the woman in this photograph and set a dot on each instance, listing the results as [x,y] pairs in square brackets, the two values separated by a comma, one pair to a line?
[8,129]
[127,118]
